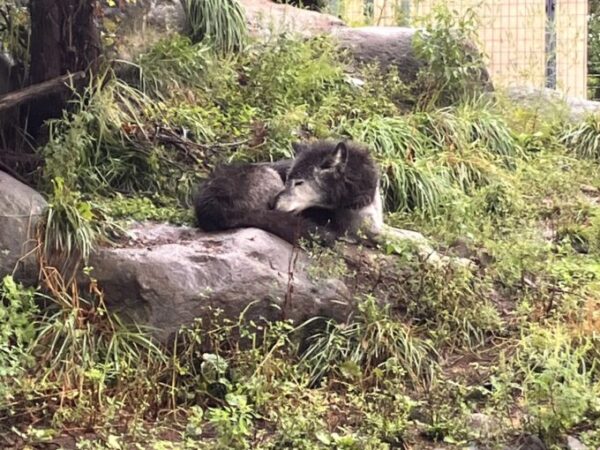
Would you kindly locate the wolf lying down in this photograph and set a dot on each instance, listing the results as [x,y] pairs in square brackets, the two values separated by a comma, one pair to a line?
[330,190]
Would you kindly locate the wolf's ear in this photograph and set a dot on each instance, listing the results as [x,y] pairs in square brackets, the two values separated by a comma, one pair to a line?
[336,159]
[340,156]
[298,147]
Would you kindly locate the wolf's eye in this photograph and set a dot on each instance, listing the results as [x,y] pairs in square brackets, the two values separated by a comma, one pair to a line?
[298,183]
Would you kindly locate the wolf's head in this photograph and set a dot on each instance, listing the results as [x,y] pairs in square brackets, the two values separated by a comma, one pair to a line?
[315,177]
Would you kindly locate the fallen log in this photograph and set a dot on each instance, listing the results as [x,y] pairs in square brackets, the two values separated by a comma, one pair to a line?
[55,85]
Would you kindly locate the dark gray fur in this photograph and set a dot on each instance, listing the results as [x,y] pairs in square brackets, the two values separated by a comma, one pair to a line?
[241,195]
[247,195]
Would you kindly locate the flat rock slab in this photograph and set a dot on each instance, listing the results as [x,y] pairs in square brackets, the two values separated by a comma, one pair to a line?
[166,276]
[21,208]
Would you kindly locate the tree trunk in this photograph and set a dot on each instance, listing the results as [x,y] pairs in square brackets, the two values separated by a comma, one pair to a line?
[64,39]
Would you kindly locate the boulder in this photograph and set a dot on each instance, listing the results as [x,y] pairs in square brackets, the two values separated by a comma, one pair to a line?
[389,47]
[165,276]
[266,18]
[142,24]
[21,208]
[550,101]
[575,444]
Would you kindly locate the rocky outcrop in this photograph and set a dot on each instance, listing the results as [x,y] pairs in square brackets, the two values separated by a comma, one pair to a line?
[166,276]
[389,47]
[21,208]
[143,24]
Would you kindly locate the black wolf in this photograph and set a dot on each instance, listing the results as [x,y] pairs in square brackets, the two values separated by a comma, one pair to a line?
[328,190]
[241,195]
[337,181]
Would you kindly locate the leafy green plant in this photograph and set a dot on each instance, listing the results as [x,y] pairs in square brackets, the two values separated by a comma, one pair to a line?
[156,208]
[18,310]
[555,381]
[221,23]
[454,70]
[233,422]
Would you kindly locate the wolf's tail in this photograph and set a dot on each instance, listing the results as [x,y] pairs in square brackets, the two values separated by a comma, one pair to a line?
[213,216]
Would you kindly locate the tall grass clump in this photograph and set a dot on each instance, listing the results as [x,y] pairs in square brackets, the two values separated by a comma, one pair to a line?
[220,23]
[469,123]
[173,64]
[81,364]
[372,341]
[474,144]
[409,179]
[73,226]
[584,139]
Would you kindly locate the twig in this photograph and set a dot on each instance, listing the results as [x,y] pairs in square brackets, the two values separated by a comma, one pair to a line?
[290,285]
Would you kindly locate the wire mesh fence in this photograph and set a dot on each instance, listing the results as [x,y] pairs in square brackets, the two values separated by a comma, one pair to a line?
[541,43]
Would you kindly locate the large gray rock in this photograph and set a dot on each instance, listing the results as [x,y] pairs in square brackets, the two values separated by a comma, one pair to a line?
[575,444]
[266,18]
[391,47]
[166,276]
[142,24]
[20,210]
[550,101]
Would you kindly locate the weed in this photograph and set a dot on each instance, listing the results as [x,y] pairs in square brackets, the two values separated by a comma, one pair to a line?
[453,304]
[555,382]
[18,309]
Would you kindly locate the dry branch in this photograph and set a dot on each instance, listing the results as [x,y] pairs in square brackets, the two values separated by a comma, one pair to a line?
[35,91]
